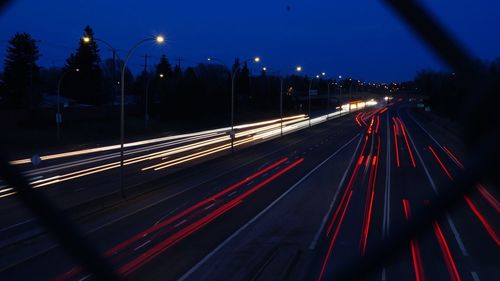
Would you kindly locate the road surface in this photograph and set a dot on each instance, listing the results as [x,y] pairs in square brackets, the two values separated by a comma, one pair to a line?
[296,207]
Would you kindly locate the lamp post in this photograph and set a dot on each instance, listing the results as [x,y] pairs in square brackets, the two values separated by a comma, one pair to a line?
[58,114]
[160,40]
[282,80]
[233,76]
[309,93]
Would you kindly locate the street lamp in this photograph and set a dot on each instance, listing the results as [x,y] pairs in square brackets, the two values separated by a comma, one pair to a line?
[233,75]
[158,40]
[282,79]
[58,114]
[309,94]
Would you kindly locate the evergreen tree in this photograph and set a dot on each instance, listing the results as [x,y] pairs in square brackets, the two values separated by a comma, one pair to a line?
[21,72]
[85,85]
[163,79]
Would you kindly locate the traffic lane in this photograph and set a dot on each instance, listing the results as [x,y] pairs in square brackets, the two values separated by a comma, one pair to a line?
[476,251]
[178,184]
[349,228]
[75,192]
[146,223]
[291,226]
[183,256]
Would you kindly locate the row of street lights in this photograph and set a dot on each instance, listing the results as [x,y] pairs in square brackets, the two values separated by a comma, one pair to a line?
[160,40]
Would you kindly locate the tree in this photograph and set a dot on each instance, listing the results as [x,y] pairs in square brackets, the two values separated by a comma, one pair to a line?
[21,72]
[85,85]
[166,84]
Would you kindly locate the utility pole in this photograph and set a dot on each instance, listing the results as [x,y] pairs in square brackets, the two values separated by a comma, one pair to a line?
[146,92]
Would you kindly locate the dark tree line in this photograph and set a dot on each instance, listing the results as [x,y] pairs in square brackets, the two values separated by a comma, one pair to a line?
[166,91]
[446,90]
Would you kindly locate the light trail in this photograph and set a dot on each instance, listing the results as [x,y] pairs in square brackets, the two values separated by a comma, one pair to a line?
[271,128]
[440,162]
[403,131]
[415,250]
[445,250]
[491,231]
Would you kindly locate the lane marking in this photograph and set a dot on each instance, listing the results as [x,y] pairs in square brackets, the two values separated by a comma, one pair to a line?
[387,198]
[180,223]
[259,215]
[475,276]
[142,245]
[209,206]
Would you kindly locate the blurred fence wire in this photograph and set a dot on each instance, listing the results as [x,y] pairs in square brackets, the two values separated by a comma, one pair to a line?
[483,147]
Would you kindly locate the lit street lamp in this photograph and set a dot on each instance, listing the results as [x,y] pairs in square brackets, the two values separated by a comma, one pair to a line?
[298,69]
[159,40]
[309,93]
[233,75]
[87,39]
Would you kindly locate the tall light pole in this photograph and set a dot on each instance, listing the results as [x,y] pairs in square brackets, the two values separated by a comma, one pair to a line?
[309,93]
[58,114]
[160,40]
[282,80]
[233,76]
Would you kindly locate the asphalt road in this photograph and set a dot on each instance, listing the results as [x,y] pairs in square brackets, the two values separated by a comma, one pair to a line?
[292,208]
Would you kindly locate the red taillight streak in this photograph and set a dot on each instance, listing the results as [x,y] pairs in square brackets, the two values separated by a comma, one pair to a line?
[357,119]
[455,159]
[192,208]
[484,193]
[415,251]
[417,261]
[334,238]
[440,162]
[403,130]
[369,208]
[383,110]
[158,249]
[126,243]
[396,144]
[448,258]
[348,188]
[378,125]
[491,231]
[371,193]
[406,208]
[174,239]
[489,197]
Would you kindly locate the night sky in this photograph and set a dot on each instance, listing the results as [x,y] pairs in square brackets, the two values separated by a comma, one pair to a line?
[359,38]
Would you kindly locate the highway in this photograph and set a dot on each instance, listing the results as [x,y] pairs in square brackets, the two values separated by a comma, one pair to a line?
[295,207]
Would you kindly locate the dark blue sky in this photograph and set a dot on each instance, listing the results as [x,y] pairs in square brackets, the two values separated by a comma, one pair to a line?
[359,38]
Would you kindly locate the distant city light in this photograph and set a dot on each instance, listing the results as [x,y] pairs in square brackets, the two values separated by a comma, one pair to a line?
[298,68]
[256,59]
